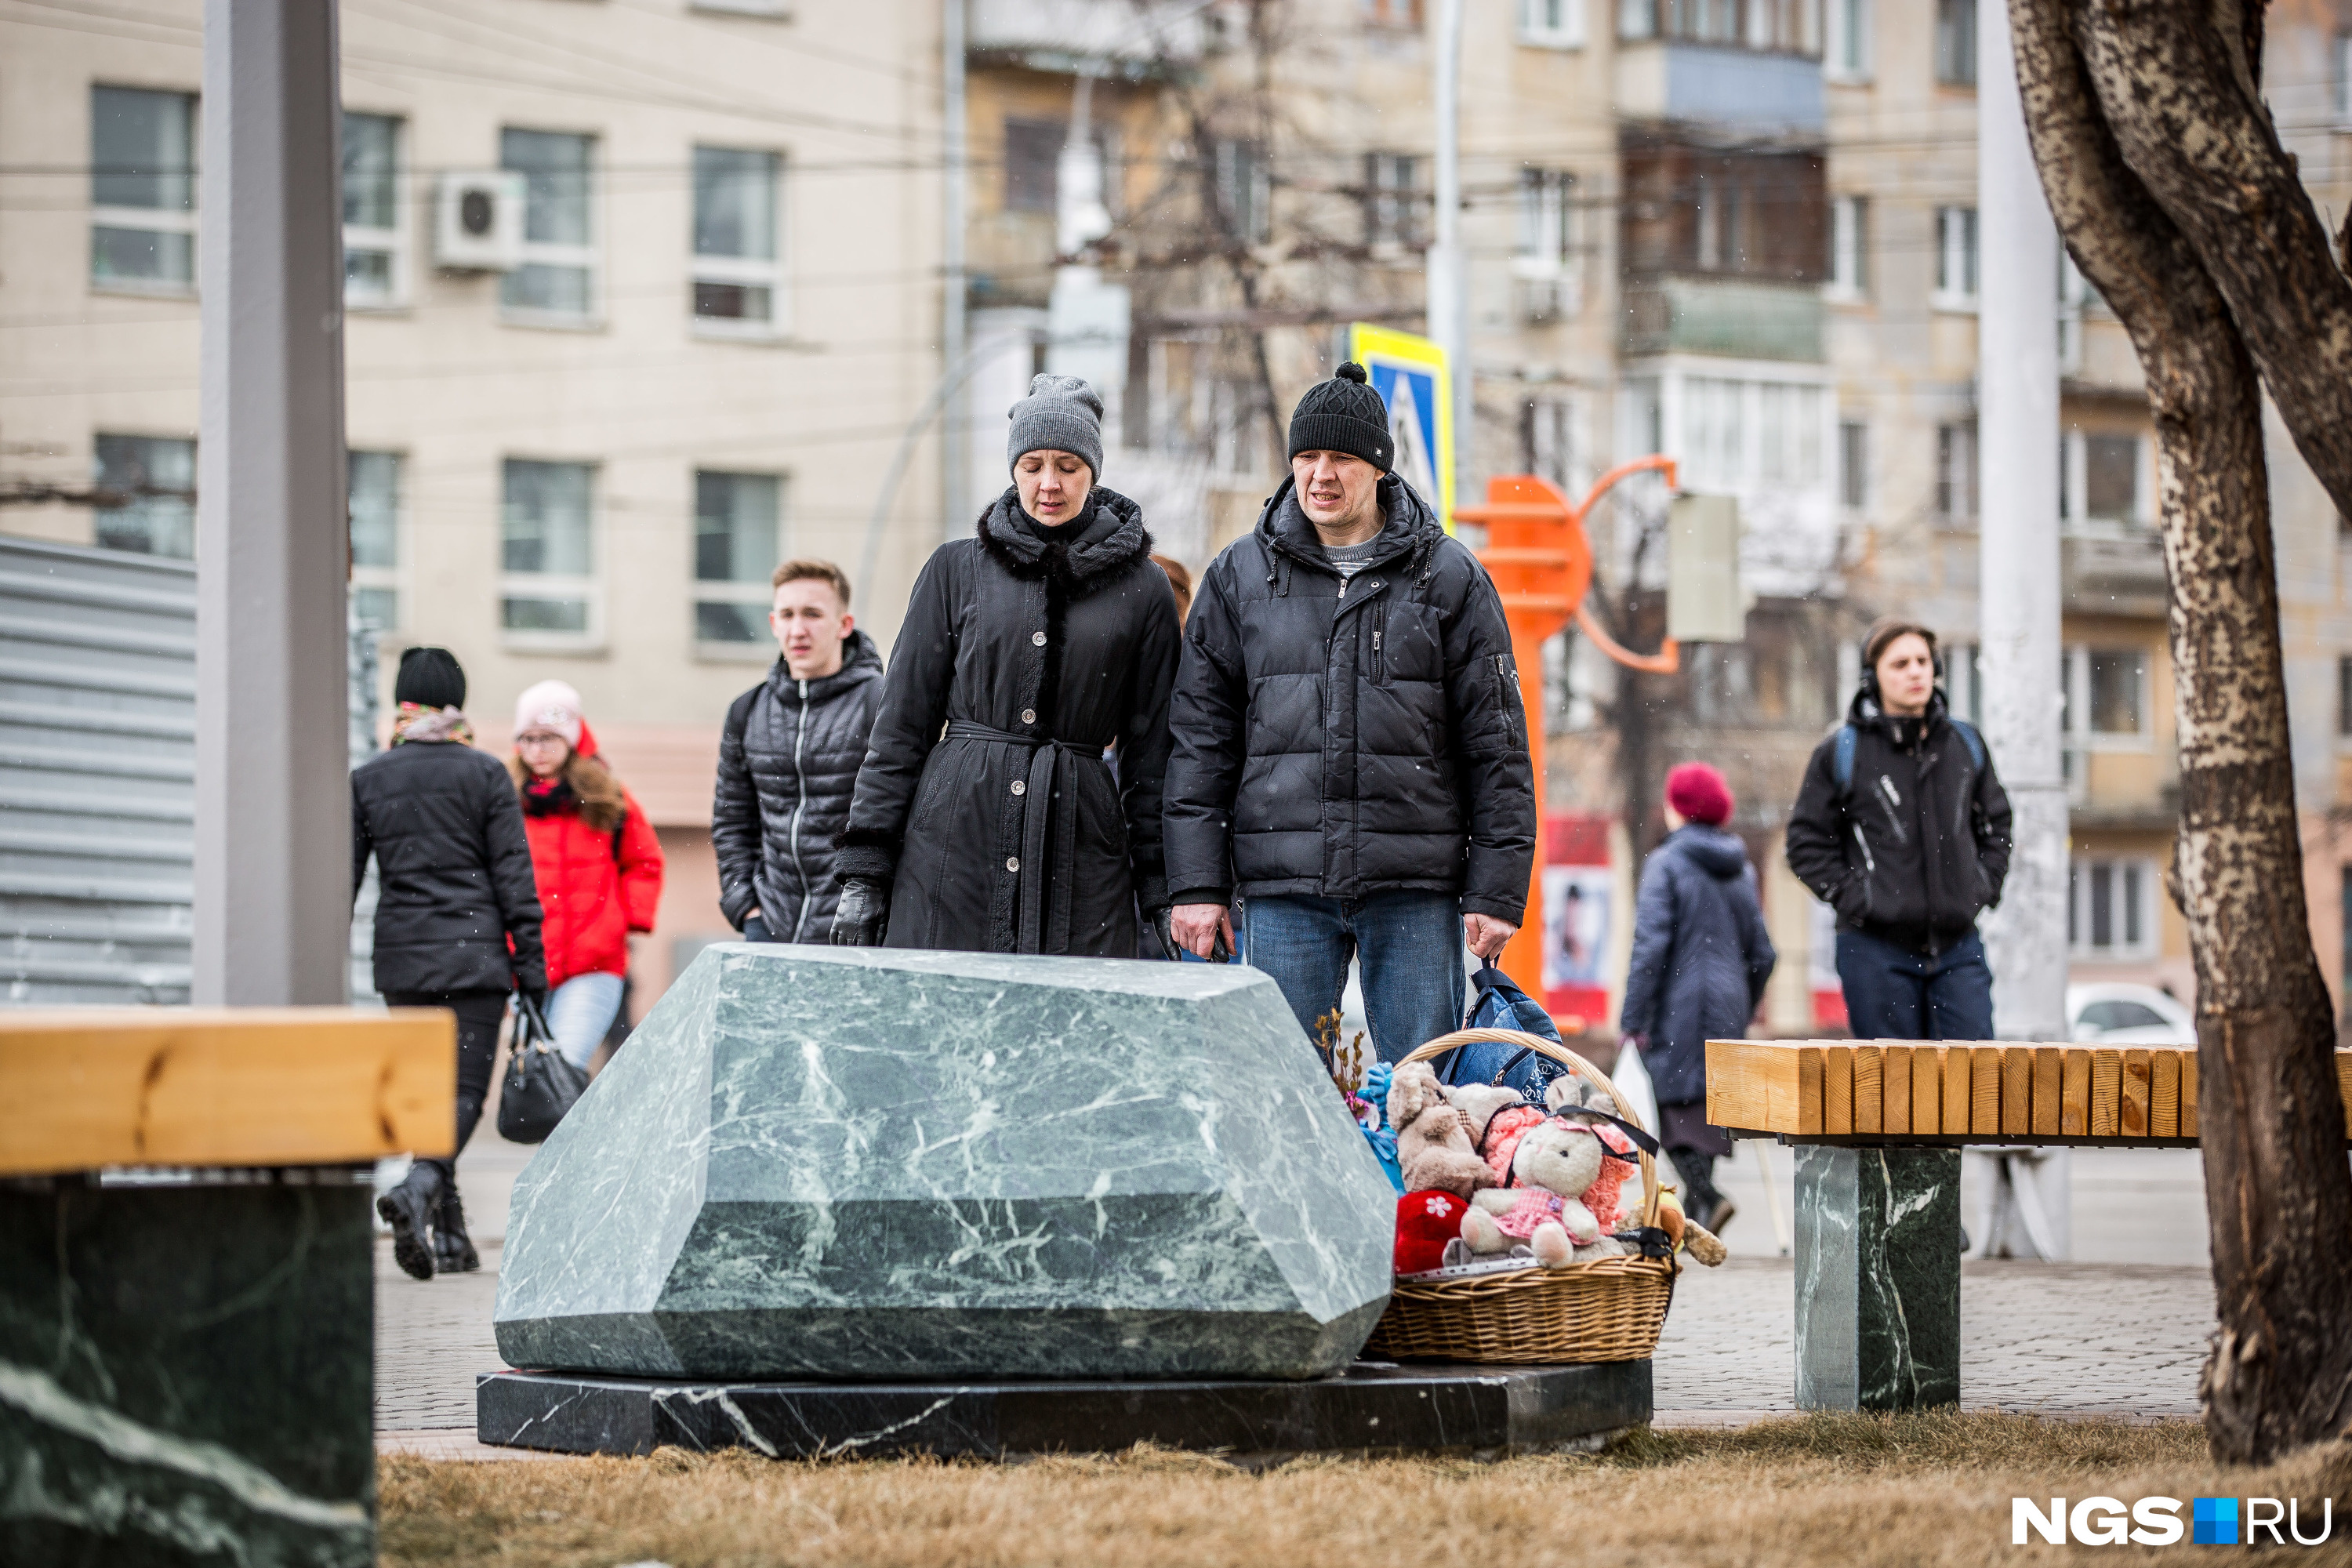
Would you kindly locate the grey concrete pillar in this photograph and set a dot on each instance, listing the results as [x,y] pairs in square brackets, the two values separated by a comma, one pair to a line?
[273,807]
[1878,1278]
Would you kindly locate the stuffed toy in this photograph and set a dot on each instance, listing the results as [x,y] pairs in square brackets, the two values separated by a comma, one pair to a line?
[1425,1222]
[1433,1147]
[1553,1166]
[1689,1233]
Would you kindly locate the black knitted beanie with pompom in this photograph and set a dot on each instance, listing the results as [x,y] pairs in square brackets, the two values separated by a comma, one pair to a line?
[1344,414]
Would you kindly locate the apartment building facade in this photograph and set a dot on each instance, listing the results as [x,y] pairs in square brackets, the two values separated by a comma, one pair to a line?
[640,299]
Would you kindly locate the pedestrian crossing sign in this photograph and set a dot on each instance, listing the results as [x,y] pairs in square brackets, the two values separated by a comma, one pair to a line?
[1410,376]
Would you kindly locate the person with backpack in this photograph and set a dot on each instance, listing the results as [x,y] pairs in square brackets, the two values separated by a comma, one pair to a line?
[788,759]
[596,861]
[456,920]
[1901,825]
[1701,960]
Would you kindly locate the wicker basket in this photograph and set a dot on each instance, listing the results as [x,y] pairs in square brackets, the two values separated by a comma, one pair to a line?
[1613,1308]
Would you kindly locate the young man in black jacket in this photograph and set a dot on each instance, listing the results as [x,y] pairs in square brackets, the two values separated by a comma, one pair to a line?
[1902,826]
[788,758]
[1349,752]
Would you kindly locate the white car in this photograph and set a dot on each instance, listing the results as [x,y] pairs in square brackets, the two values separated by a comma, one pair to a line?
[2120,1014]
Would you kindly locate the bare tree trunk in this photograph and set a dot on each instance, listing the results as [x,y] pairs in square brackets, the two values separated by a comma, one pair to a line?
[2278,1193]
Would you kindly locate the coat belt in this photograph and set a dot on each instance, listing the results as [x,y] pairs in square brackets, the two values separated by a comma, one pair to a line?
[1035,933]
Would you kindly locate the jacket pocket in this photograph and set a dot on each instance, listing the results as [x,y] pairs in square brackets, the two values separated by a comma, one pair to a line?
[1505,685]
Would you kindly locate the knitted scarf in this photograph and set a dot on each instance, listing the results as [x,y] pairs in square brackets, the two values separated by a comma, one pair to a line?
[417,722]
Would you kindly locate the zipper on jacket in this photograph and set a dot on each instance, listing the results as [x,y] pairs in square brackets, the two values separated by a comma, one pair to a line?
[800,775]
[1380,660]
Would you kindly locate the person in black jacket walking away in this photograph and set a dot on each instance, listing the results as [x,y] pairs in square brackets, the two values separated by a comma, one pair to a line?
[1350,755]
[456,919]
[1902,826]
[1701,959]
[985,818]
[788,759]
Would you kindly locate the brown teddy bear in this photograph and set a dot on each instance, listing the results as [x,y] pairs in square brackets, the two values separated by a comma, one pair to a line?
[1436,1151]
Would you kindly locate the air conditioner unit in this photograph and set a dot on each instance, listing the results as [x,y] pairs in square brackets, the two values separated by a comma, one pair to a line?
[478,222]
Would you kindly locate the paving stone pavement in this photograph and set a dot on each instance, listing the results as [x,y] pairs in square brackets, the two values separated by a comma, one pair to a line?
[2074,1339]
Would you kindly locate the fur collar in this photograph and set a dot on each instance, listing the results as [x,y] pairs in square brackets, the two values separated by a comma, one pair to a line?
[1109,537]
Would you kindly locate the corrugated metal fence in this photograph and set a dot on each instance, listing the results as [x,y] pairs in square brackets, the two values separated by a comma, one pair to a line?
[98,775]
[97,732]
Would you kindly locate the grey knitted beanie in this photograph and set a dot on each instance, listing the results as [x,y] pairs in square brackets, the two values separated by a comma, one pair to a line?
[1344,414]
[1061,414]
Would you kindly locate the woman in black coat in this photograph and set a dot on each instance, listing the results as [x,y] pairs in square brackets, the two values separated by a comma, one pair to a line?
[985,818]
[1701,959]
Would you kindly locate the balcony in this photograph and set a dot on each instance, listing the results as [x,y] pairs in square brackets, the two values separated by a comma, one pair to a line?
[1134,41]
[1733,318]
[1747,90]
[2113,570]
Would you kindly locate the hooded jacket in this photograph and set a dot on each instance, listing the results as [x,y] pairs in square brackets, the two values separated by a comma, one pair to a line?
[456,884]
[1917,846]
[788,759]
[984,800]
[1701,957]
[597,863]
[1339,744]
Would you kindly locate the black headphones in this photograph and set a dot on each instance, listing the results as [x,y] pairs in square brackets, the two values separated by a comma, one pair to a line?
[1870,666]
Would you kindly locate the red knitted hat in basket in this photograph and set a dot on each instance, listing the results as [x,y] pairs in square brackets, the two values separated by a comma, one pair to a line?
[1426,1221]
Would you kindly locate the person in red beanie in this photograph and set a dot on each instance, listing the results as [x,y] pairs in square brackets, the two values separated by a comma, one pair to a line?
[1701,958]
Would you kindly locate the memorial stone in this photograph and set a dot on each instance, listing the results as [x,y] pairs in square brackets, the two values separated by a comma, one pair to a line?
[877,1163]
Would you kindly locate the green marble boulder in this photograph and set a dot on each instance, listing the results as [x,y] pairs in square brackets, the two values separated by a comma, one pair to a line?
[877,1163]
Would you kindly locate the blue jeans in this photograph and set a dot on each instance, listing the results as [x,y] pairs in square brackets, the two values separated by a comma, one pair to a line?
[1411,948]
[579,1012]
[1893,994]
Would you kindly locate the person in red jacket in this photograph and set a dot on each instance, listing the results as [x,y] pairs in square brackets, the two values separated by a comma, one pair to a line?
[596,859]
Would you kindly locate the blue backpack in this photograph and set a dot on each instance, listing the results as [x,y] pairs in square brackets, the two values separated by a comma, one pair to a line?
[1499,1003]
[1842,760]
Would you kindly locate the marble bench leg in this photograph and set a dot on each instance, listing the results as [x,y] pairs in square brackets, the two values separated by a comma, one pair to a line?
[186,1372]
[1878,1277]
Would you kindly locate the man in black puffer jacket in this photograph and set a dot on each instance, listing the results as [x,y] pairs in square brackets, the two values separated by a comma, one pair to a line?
[1350,755]
[788,760]
[1902,826]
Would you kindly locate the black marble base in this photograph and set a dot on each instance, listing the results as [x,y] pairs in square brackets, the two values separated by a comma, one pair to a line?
[1371,1408]
[186,1370]
[1878,1278]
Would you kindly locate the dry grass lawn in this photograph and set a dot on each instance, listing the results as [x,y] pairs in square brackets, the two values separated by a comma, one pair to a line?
[1845,1490]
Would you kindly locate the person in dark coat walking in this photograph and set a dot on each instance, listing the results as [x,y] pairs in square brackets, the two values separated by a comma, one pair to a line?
[1701,959]
[456,919]
[1901,825]
[788,758]
[985,818]
[1350,756]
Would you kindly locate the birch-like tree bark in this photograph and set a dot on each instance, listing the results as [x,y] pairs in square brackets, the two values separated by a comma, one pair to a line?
[2141,114]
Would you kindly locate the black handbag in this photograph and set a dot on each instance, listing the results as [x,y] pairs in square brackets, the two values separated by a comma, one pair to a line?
[540,1084]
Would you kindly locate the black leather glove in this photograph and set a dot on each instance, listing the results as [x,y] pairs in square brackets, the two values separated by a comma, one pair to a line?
[1163,925]
[863,914]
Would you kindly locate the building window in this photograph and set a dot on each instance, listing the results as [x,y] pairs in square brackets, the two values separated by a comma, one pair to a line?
[1849,247]
[375,538]
[549,593]
[375,251]
[1721,237]
[2099,479]
[1964,682]
[1390,205]
[1853,464]
[2111,907]
[738,519]
[1956,259]
[1236,443]
[1391,13]
[1547,268]
[1551,445]
[1956,42]
[1955,471]
[557,280]
[1847,56]
[1033,154]
[1552,24]
[738,277]
[1244,191]
[147,499]
[143,190]
[2340,58]
[1740,434]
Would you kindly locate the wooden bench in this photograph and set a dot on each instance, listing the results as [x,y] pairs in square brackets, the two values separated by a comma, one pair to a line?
[1877,1126]
[187,1273]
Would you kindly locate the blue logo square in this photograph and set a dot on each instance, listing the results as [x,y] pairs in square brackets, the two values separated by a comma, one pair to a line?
[2215,1520]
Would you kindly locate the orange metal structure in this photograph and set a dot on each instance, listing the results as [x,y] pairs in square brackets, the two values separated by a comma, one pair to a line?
[1542,563]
